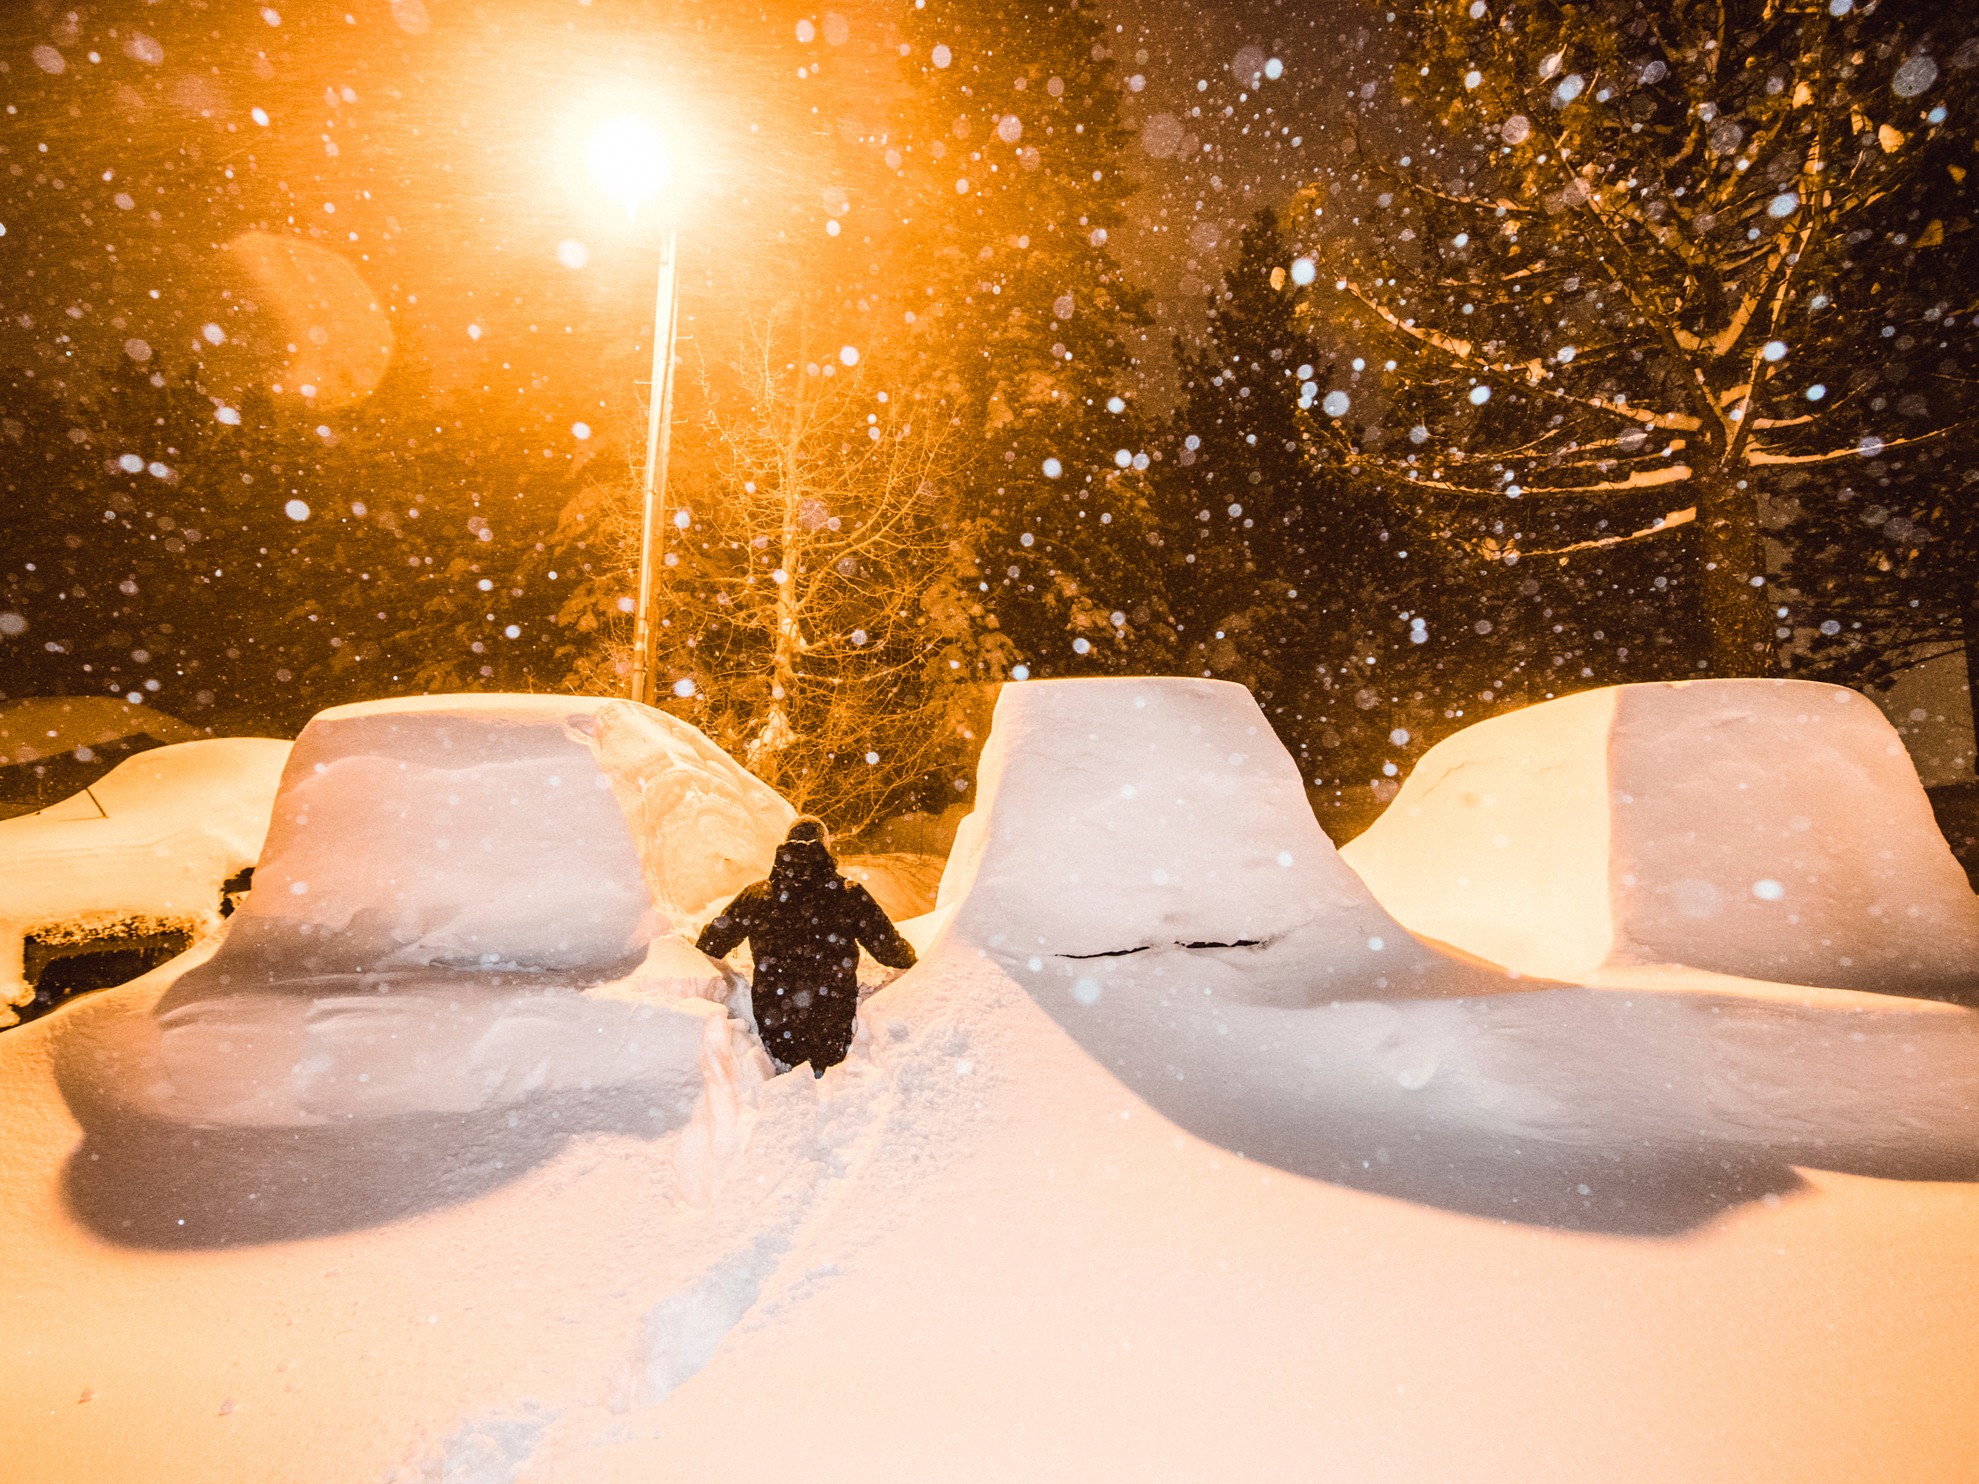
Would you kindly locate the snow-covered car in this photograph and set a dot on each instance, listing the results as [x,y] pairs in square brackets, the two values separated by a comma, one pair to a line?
[129,871]
[1772,830]
[470,902]
[1182,1153]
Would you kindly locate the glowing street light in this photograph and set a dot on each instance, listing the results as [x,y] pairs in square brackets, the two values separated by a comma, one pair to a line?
[628,159]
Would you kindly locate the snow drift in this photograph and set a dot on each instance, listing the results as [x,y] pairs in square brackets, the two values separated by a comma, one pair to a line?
[538,1294]
[149,843]
[1160,817]
[705,826]
[1143,862]
[1170,1210]
[1770,829]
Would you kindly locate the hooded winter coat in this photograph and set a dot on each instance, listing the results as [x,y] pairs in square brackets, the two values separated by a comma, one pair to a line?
[805,925]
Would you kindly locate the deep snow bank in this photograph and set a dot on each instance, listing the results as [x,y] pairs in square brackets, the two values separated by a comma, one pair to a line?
[971,1253]
[1157,817]
[1143,863]
[397,1049]
[459,907]
[704,825]
[1772,829]
[150,842]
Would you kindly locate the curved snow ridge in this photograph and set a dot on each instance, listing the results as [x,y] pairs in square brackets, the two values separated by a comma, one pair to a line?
[341,1048]
[1837,1080]
[267,1117]
[266,1061]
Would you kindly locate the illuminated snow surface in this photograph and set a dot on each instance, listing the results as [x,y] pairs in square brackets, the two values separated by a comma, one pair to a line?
[1140,1175]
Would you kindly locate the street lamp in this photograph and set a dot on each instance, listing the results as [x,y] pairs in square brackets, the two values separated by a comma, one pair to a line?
[628,159]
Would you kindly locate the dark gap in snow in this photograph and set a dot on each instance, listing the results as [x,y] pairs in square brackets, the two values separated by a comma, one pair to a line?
[1144,947]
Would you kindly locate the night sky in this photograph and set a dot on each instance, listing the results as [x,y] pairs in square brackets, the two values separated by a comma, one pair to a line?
[152,152]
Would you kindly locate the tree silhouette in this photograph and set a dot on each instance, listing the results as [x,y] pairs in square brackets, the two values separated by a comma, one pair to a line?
[1643,264]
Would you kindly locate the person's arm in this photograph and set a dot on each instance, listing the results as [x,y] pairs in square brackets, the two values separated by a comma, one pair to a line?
[877,932]
[730,925]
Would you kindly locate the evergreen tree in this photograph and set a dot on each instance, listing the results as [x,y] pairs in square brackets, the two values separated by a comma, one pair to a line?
[245,564]
[1238,497]
[1030,327]
[58,543]
[1288,573]
[431,548]
[149,574]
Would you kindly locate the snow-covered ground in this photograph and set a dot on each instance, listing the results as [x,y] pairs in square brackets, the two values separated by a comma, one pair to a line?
[1133,1178]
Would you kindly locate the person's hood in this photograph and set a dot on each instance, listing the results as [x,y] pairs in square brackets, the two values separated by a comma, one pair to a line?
[803,860]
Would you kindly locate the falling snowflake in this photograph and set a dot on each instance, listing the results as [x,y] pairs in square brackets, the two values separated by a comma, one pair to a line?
[1914,77]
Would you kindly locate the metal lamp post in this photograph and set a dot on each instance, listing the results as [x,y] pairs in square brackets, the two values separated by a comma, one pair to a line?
[659,438]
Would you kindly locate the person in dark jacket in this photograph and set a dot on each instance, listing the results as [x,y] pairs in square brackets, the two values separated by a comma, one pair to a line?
[805,925]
